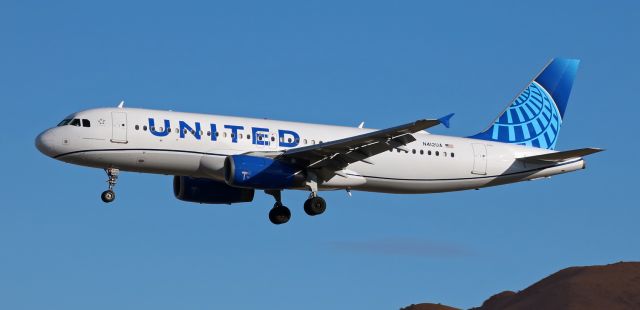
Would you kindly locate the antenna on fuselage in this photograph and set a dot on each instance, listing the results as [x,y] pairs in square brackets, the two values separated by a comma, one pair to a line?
[121,104]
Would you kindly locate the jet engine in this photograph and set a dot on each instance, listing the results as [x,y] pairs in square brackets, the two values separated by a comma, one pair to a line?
[209,191]
[261,173]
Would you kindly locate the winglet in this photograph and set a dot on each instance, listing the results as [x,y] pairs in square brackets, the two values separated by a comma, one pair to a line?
[445,120]
[121,104]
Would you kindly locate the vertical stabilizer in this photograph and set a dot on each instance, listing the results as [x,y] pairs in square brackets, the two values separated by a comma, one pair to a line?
[534,118]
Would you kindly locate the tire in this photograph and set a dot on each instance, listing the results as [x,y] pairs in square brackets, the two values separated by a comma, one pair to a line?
[315,206]
[279,215]
[108,196]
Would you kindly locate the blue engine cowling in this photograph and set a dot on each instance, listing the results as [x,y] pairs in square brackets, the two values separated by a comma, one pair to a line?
[209,191]
[260,173]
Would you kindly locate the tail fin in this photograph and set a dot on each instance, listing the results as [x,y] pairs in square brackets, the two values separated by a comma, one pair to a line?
[535,116]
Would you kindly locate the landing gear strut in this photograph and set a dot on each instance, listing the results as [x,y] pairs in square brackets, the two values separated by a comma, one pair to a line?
[109,195]
[279,214]
[315,205]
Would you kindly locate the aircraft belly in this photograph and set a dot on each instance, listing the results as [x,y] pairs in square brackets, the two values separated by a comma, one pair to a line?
[158,162]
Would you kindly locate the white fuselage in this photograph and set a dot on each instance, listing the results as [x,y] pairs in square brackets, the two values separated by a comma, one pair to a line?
[122,138]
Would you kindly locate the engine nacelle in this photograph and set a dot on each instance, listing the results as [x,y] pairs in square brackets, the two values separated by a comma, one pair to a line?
[260,173]
[209,191]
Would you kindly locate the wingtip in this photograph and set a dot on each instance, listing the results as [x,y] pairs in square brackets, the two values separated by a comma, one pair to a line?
[446,120]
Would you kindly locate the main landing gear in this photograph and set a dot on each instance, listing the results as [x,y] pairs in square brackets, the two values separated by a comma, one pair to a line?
[279,214]
[315,205]
[109,195]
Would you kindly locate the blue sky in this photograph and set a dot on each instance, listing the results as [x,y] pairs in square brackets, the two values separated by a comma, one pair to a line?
[339,62]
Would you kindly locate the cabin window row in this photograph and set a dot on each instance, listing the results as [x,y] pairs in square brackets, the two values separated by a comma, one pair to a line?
[428,152]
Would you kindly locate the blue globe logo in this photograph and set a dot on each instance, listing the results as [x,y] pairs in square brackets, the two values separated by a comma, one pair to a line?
[532,119]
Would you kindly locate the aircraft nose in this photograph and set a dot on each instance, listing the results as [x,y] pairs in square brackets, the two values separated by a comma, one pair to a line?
[44,143]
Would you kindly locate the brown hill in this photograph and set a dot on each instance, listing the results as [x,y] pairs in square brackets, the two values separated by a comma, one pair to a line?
[612,287]
[427,306]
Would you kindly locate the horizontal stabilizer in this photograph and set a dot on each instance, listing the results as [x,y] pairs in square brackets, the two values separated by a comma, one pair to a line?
[561,156]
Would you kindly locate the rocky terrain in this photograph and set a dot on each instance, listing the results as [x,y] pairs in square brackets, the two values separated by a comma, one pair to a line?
[614,286]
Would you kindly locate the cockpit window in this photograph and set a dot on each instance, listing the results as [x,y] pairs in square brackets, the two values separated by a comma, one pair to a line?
[86,123]
[65,122]
[75,122]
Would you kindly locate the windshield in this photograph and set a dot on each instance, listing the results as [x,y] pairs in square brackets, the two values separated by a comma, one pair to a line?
[75,122]
[64,122]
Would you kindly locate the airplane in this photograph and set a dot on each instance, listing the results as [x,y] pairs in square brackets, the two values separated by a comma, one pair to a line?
[224,160]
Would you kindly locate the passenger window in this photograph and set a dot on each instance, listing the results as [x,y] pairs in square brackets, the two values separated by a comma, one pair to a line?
[421,152]
[137,127]
[304,141]
[313,141]
[144,127]
[413,151]
[289,140]
[273,139]
[437,153]
[86,123]
[429,153]
[452,155]
[169,129]
[208,133]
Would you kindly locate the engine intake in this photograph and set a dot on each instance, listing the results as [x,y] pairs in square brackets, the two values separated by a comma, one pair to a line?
[209,191]
[260,173]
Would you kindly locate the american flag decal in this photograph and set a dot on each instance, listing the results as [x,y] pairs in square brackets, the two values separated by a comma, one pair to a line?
[447,145]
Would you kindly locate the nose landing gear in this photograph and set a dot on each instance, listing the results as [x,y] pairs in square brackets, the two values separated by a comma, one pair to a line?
[109,195]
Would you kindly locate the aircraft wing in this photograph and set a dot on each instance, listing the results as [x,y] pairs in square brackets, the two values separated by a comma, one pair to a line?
[561,156]
[335,155]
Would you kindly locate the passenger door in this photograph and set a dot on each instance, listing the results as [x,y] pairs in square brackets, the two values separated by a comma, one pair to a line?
[479,159]
[119,127]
